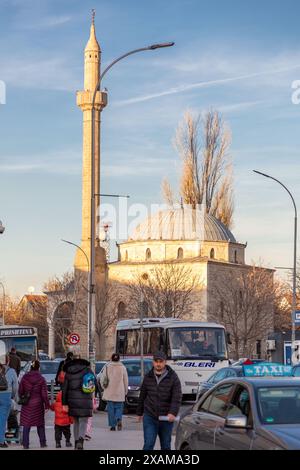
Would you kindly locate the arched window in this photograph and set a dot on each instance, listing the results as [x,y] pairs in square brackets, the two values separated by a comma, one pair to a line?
[145,308]
[240,299]
[168,308]
[126,255]
[235,257]
[180,253]
[121,310]
[212,253]
[148,254]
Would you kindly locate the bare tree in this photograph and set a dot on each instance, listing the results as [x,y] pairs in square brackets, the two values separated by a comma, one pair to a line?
[68,296]
[244,304]
[167,290]
[206,176]
[106,311]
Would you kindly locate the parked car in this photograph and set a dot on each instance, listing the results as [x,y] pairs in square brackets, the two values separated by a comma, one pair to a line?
[261,413]
[133,367]
[221,374]
[48,371]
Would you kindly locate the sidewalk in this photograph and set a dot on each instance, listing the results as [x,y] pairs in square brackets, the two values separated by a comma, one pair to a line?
[130,438]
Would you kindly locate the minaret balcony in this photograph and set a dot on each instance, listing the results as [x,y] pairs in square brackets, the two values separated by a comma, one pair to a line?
[84,100]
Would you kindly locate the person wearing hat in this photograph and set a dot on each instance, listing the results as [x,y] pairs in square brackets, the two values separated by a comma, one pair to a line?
[159,403]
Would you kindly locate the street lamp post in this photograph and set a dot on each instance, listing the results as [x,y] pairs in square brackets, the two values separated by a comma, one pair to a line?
[92,293]
[294,301]
[4,304]
[88,265]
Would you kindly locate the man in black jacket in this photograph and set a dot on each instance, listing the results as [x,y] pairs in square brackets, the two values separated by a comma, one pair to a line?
[159,403]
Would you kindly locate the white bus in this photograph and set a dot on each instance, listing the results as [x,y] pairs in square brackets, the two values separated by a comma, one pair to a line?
[195,350]
[23,338]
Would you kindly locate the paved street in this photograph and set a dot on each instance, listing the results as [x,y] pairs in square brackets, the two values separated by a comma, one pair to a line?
[131,438]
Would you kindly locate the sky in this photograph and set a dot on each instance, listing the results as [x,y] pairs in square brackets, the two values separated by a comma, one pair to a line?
[240,58]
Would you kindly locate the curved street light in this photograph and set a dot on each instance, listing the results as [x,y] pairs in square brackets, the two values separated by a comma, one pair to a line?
[2,228]
[294,301]
[91,302]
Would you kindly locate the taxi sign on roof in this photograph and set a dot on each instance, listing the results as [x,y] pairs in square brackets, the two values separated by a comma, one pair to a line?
[268,369]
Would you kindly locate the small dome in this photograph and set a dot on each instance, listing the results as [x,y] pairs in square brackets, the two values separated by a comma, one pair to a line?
[182,224]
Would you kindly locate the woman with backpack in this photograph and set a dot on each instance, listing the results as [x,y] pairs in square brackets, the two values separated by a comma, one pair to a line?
[77,396]
[114,381]
[33,396]
[5,404]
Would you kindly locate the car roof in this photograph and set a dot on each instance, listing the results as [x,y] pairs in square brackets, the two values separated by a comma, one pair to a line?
[257,382]
[137,359]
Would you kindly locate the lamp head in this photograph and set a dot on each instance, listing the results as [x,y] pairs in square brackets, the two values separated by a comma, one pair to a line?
[161,45]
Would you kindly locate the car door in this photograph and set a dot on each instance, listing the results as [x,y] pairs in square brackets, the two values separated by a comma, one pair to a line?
[227,438]
[207,416]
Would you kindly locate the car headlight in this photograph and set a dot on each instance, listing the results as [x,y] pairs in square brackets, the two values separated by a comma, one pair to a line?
[134,387]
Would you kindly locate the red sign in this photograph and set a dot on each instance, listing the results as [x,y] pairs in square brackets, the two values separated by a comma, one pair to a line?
[73,338]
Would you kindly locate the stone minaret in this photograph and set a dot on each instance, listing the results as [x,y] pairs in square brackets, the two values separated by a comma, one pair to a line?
[92,61]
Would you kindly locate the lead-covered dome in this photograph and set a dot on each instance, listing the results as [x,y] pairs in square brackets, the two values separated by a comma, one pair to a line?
[182,224]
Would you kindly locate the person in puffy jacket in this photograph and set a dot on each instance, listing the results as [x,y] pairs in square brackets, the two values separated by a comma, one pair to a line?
[62,422]
[159,403]
[34,385]
[76,402]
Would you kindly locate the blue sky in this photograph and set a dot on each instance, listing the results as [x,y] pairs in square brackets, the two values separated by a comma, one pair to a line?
[238,57]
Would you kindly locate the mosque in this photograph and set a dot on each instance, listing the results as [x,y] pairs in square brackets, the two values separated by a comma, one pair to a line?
[179,235]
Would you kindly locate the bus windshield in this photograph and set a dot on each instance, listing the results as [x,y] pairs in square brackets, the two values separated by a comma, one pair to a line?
[197,342]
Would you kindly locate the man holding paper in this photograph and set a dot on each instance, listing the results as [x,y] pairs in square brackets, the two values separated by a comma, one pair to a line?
[159,403]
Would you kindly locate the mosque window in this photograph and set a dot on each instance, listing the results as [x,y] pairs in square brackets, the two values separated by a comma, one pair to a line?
[180,253]
[168,308]
[212,253]
[148,254]
[90,56]
[121,310]
[126,255]
[235,257]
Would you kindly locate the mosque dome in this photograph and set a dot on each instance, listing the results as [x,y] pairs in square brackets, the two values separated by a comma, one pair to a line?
[182,224]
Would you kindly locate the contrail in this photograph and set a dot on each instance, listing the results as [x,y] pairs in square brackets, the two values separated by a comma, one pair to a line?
[192,86]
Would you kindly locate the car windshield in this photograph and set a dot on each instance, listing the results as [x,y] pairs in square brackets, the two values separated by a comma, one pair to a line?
[197,342]
[49,367]
[99,366]
[279,405]
[134,368]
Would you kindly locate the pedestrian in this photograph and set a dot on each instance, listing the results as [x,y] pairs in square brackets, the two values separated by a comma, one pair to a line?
[60,371]
[114,382]
[12,379]
[5,404]
[62,422]
[15,361]
[89,427]
[76,399]
[33,396]
[159,403]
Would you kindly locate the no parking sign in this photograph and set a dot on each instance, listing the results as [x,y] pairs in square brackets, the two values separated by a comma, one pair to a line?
[73,339]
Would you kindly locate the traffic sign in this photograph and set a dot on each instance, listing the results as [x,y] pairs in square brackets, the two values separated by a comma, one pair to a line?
[297,317]
[73,339]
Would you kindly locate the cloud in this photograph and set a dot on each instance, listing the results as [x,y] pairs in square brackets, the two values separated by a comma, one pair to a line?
[45,23]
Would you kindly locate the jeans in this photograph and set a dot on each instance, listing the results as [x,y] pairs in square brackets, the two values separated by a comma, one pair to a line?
[153,428]
[41,433]
[79,428]
[59,431]
[5,404]
[115,411]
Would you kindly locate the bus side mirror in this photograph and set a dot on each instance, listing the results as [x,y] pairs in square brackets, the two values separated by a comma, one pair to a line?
[229,338]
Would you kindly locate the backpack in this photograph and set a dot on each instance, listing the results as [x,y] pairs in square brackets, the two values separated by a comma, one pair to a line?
[88,383]
[3,383]
[61,377]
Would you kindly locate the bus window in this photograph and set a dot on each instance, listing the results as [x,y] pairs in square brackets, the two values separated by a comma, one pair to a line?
[128,341]
[26,348]
[2,352]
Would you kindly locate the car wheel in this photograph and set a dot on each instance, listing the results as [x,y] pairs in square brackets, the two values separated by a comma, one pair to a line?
[185,446]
